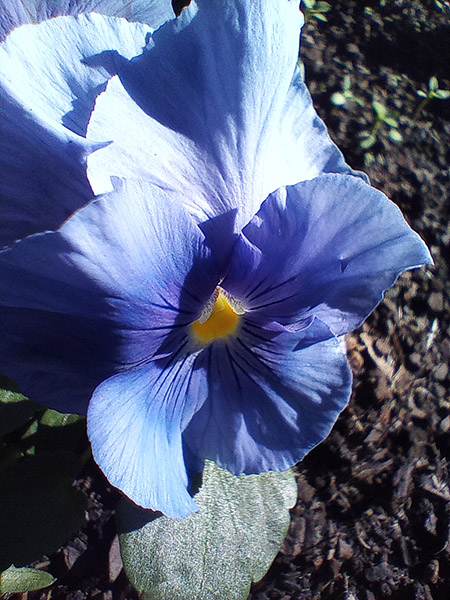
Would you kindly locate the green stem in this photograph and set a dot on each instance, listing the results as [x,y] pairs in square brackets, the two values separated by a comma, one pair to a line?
[420,108]
[375,128]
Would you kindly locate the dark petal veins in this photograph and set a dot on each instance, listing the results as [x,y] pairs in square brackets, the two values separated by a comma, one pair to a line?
[268,403]
[140,450]
[101,294]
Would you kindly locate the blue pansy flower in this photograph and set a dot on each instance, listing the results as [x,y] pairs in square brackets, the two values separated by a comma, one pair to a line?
[216,249]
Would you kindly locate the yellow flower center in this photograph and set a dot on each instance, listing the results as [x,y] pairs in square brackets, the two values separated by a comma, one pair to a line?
[219,318]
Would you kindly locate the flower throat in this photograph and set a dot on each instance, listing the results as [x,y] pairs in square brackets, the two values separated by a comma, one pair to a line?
[219,319]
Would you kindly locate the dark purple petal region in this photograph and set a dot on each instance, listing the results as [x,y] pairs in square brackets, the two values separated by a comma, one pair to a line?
[42,172]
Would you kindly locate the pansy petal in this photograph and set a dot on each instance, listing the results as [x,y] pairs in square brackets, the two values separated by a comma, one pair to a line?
[42,173]
[328,248]
[303,149]
[140,449]
[20,12]
[46,64]
[116,279]
[198,113]
[269,402]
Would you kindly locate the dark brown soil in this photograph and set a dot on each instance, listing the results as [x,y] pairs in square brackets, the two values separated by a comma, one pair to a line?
[373,517]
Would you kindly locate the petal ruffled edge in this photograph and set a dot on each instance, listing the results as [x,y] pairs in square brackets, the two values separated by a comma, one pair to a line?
[52,67]
[14,13]
[42,172]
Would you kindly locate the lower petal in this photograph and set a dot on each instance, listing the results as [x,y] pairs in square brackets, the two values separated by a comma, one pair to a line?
[268,402]
[134,424]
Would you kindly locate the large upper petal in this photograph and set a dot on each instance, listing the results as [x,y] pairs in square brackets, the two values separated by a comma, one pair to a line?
[42,172]
[109,290]
[216,108]
[19,12]
[45,66]
[47,89]
[328,248]
[267,397]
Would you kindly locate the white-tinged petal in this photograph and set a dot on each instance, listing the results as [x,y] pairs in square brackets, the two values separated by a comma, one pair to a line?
[20,12]
[134,425]
[214,108]
[51,66]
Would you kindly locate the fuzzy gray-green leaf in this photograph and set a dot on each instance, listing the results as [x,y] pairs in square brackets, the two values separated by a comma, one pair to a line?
[15,410]
[20,581]
[217,552]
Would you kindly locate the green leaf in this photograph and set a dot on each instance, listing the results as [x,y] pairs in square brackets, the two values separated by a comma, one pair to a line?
[323,7]
[19,581]
[379,109]
[442,94]
[369,158]
[52,418]
[39,508]
[433,84]
[422,94]
[395,135]
[15,411]
[338,99]
[213,554]
[58,431]
[367,142]
[391,121]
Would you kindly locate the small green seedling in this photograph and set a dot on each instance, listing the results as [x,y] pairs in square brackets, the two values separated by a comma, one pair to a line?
[432,93]
[341,98]
[312,9]
[443,5]
[382,117]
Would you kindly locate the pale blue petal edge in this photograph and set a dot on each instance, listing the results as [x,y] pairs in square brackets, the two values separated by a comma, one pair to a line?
[14,13]
[140,449]
[50,66]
